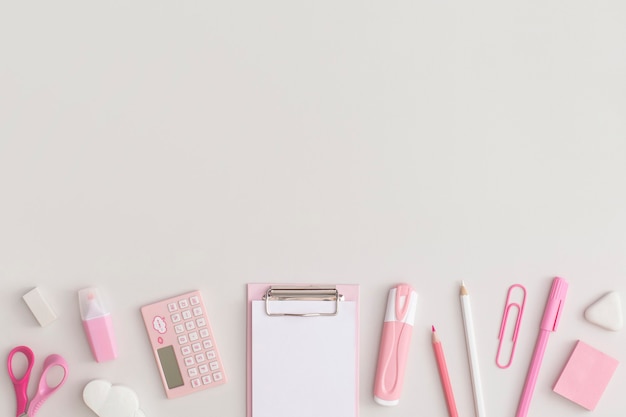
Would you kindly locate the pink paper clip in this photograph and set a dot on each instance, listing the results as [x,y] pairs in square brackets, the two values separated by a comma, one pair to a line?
[505,318]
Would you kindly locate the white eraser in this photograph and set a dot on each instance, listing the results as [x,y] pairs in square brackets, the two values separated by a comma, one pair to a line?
[606,312]
[39,307]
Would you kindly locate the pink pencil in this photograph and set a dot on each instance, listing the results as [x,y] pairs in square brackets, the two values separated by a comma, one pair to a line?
[443,373]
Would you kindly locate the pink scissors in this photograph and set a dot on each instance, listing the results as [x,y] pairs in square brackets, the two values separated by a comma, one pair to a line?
[43,390]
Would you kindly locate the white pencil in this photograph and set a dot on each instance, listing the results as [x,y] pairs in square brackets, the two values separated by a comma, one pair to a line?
[470,342]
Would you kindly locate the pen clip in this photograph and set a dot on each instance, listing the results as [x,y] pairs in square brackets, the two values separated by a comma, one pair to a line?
[508,305]
[554,306]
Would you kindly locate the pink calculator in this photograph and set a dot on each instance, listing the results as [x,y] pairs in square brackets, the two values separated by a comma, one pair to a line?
[183,344]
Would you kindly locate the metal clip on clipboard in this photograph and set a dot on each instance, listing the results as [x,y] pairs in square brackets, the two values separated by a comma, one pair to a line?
[302,293]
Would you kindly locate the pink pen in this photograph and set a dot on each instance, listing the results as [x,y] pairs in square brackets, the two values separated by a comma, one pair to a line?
[549,323]
[97,324]
[394,344]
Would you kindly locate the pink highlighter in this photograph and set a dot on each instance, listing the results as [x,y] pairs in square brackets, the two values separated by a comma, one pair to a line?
[394,344]
[97,324]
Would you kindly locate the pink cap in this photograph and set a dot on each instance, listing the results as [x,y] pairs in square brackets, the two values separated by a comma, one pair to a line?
[554,306]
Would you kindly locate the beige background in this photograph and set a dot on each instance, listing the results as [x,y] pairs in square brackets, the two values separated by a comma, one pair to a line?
[151,148]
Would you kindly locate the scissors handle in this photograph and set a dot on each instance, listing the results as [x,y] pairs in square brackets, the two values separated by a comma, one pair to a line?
[21,384]
[44,391]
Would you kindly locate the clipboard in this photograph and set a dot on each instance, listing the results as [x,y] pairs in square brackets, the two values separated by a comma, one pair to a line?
[302,350]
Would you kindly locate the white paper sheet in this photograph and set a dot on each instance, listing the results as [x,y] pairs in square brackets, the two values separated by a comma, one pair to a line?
[304,366]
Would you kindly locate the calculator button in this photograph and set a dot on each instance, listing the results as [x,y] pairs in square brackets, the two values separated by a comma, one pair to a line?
[175,318]
[218,376]
[206,379]
[197,311]
[183,303]
[179,328]
[185,350]
[196,347]
[201,322]
[186,314]
[193,336]
[204,333]
[214,365]
[200,358]
[210,354]
[190,325]
[189,361]
[195,383]
[172,307]
[207,343]
[158,324]
[195,300]
[203,368]
[182,339]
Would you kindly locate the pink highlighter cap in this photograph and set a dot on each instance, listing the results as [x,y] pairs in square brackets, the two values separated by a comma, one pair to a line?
[97,324]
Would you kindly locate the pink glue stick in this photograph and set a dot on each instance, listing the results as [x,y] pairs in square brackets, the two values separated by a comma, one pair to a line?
[97,324]
[394,344]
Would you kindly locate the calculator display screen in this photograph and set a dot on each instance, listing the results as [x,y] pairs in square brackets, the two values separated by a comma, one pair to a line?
[169,364]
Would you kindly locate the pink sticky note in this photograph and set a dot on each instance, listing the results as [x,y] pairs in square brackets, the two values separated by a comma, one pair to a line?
[586,375]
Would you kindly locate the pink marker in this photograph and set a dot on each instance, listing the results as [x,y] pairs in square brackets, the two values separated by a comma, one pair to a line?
[549,323]
[97,324]
[394,344]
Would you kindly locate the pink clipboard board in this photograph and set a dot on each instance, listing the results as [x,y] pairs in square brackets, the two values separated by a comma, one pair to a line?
[347,292]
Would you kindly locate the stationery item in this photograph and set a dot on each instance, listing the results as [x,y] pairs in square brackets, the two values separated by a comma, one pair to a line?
[39,306]
[472,353]
[26,408]
[183,344]
[97,325]
[108,400]
[302,351]
[394,344]
[586,375]
[443,374]
[606,312]
[549,324]
[508,305]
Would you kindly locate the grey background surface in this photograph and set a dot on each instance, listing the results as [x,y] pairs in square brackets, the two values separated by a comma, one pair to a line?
[151,148]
